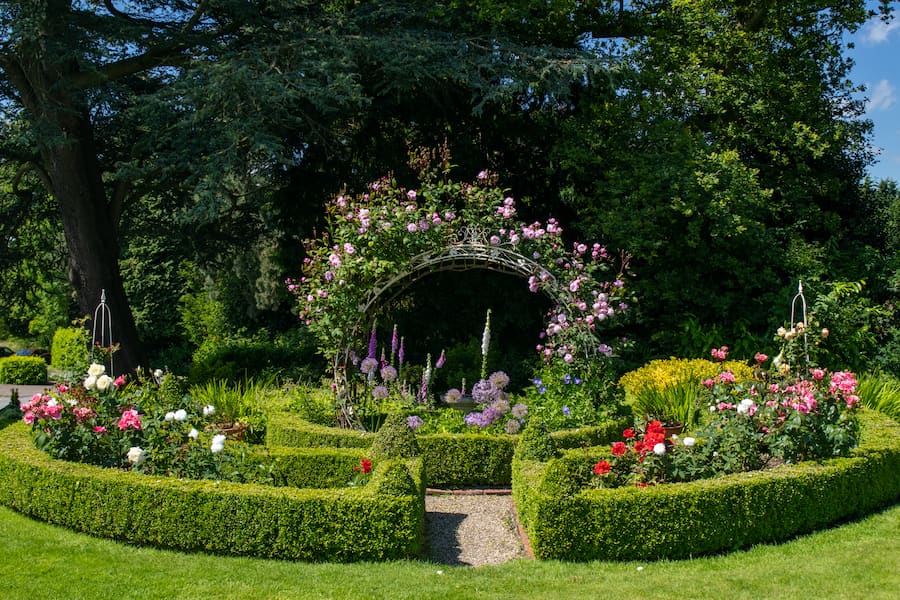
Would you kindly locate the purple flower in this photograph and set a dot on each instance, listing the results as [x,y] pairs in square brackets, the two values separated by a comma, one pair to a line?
[400,353]
[519,411]
[483,392]
[414,422]
[441,360]
[373,343]
[499,380]
[512,427]
[380,392]
[452,395]
[566,410]
[369,365]
[395,343]
[388,373]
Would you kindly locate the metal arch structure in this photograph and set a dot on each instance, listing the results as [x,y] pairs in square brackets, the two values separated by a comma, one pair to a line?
[462,256]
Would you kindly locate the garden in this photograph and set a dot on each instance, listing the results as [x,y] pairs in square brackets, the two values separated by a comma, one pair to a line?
[675,459]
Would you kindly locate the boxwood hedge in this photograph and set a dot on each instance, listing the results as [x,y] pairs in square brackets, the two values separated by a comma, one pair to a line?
[452,460]
[689,519]
[346,524]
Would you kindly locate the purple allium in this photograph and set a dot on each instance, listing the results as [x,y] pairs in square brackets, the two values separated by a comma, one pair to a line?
[414,422]
[519,411]
[452,395]
[512,427]
[499,380]
[369,365]
[483,392]
[380,392]
[388,373]
[501,406]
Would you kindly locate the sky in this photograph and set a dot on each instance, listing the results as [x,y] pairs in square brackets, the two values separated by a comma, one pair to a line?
[877,56]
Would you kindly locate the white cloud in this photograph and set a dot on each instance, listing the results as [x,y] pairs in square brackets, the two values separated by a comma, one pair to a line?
[883,96]
[877,31]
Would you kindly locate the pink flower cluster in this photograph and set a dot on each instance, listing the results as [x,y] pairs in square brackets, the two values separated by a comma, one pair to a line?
[130,420]
[41,406]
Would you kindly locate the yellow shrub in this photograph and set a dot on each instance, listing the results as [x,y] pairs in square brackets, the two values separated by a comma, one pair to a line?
[662,373]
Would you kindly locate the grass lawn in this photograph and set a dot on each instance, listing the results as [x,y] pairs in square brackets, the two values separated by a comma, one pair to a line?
[860,559]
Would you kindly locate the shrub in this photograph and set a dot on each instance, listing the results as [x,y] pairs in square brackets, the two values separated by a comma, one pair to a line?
[242,359]
[663,373]
[23,370]
[536,443]
[395,439]
[69,352]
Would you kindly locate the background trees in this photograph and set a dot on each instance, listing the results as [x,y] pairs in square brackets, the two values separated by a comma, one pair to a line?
[187,147]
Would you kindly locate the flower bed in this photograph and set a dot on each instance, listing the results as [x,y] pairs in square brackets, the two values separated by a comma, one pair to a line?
[568,521]
[373,522]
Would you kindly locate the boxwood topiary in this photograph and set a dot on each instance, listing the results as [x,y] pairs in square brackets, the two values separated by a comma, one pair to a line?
[395,439]
[536,443]
[69,352]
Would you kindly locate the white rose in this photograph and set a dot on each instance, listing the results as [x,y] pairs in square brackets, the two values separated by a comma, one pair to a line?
[90,383]
[136,455]
[209,409]
[96,370]
[169,416]
[158,373]
[219,439]
[194,434]
[689,441]
[218,444]
[180,415]
[103,382]
[659,449]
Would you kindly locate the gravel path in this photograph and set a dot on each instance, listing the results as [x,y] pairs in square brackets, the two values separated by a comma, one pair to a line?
[473,530]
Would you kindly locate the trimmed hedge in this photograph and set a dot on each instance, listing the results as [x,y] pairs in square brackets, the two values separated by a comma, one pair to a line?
[23,370]
[313,467]
[69,352]
[703,517]
[452,460]
[346,524]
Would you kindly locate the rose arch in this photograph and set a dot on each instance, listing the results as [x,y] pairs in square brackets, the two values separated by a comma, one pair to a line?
[380,242]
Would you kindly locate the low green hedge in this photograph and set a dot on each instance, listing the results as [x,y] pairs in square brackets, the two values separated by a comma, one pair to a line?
[313,467]
[348,524]
[452,460]
[703,517]
[23,370]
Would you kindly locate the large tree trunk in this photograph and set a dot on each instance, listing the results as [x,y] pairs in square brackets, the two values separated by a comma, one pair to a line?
[68,156]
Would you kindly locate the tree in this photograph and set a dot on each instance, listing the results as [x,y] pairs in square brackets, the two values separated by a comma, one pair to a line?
[106,101]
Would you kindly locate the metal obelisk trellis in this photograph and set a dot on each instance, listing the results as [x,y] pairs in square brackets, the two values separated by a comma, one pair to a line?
[103,319]
[805,322]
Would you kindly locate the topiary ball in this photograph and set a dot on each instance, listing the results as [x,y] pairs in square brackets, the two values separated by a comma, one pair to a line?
[395,439]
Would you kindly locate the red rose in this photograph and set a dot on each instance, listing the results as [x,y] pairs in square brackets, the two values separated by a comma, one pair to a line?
[365,465]
[628,433]
[655,427]
[619,448]
[601,468]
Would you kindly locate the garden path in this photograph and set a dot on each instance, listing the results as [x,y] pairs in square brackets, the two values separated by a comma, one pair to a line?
[473,528]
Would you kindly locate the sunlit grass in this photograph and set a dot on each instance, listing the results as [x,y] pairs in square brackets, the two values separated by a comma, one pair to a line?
[857,560]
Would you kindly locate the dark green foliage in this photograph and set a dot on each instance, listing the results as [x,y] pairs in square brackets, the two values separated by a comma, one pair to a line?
[23,370]
[288,430]
[536,443]
[217,517]
[239,360]
[69,352]
[703,517]
[395,439]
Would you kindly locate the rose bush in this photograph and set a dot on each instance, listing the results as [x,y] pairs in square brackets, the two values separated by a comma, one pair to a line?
[139,425]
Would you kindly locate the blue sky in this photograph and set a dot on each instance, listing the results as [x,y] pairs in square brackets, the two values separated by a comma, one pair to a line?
[877,56]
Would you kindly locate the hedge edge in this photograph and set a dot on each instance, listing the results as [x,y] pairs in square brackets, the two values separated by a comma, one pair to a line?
[709,516]
[340,525]
[452,460]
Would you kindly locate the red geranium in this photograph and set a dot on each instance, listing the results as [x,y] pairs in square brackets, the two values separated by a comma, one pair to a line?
[628,433]
[619,448]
